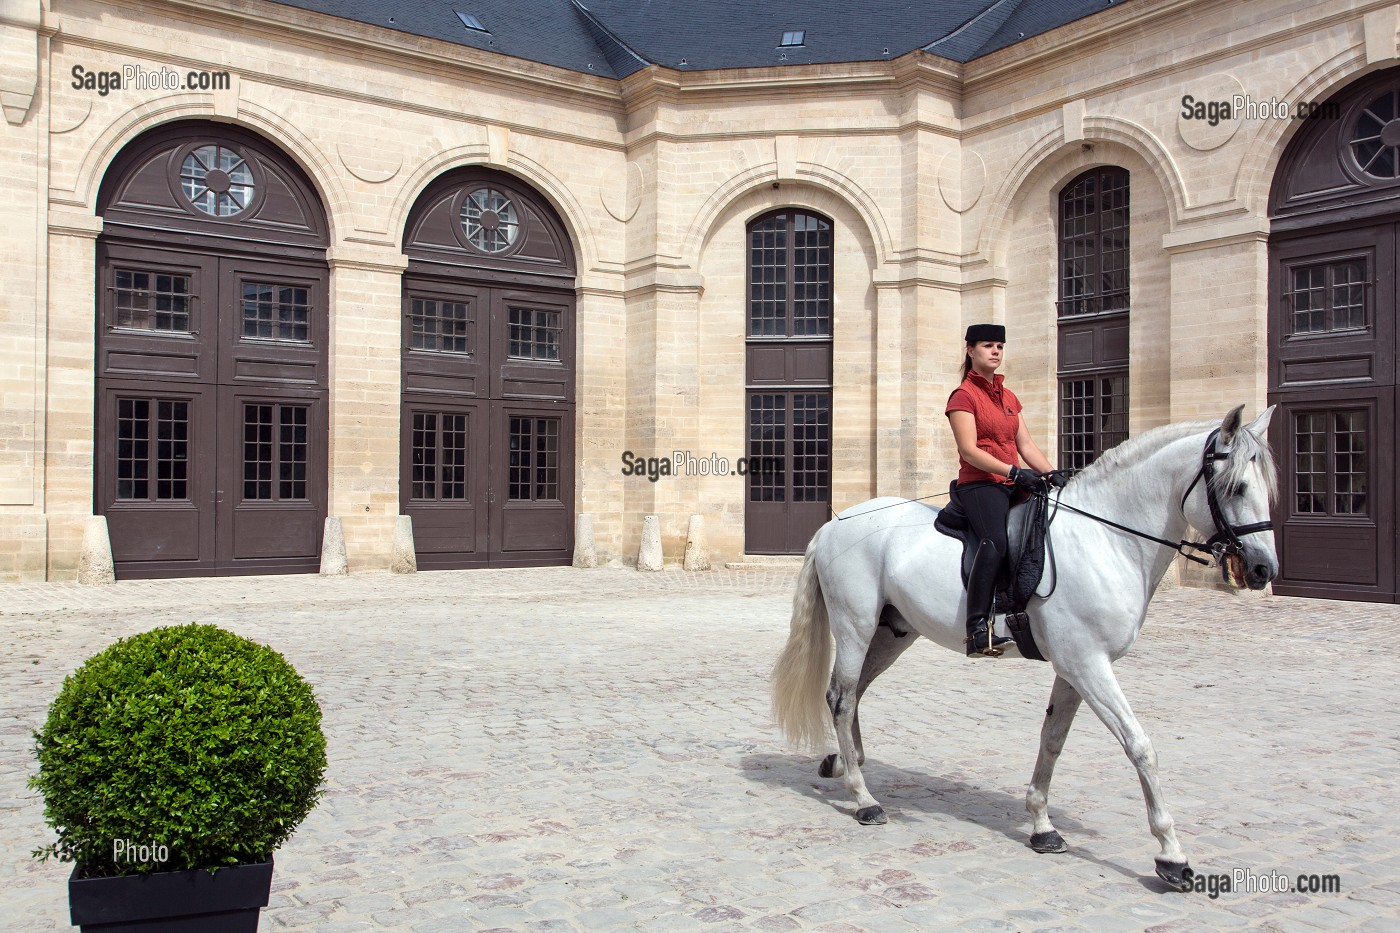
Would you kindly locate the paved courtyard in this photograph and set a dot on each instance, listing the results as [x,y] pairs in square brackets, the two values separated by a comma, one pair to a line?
[559,750]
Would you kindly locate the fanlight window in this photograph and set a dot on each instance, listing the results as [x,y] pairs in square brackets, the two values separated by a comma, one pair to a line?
[217,181]
[1375,142]
[490,220]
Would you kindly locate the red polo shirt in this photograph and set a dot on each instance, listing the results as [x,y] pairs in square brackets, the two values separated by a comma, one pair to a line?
[997,412]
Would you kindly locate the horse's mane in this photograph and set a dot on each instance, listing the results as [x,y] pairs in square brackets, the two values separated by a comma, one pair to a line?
[1229,472]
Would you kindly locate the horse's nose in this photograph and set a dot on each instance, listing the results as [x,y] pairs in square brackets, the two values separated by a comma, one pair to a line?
[1259,575]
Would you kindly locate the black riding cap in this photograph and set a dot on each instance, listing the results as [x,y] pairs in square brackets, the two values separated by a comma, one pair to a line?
[976,333]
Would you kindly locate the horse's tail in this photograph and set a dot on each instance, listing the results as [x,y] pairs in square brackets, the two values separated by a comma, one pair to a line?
[803,670]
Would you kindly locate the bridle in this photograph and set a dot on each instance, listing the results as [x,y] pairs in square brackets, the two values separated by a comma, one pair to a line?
[1226,540]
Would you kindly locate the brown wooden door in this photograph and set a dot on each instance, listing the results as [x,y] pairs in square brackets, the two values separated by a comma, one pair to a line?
[212,413]
[531,493]
[1333,376]
[487,438]
[211,336]
[789,470]
[155,475]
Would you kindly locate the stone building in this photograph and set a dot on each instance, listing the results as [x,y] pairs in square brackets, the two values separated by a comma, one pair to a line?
[488,264]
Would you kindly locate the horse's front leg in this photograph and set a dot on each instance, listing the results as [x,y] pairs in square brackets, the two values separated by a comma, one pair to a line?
[1098,686]
[1059,716]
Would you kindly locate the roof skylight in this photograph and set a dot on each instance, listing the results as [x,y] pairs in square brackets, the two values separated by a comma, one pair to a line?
[471,22]
[792,38]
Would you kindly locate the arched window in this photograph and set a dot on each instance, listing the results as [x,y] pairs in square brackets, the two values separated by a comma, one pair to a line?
[1093,315]
[789,380]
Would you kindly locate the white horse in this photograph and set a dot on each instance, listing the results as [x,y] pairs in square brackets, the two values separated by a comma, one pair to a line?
[880,573]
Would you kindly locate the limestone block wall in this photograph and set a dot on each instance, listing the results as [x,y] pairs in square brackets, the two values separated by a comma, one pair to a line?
[23,42]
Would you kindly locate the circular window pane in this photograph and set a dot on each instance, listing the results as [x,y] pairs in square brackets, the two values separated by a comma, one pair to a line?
[1375,139]
[489,220]
[217,181]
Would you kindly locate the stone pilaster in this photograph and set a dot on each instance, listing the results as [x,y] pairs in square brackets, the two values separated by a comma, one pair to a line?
[70,386]
[1219,314]
[365,359]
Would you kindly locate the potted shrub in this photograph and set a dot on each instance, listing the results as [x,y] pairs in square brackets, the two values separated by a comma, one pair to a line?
[171,765]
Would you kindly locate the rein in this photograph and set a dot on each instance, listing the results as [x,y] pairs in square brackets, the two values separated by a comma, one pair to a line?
[1180,546]
[1226,539]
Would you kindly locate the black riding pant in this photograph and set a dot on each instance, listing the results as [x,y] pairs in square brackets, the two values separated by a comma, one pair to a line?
[986,505]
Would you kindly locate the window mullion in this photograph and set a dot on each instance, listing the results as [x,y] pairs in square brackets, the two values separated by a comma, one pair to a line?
[791,281]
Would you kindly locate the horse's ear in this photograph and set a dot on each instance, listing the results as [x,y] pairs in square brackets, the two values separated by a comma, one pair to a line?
[1231,424]
[1260,426]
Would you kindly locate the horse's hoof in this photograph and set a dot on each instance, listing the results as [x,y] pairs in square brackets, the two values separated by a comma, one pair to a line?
[828,767]
[1048,843]
[1177,874]
[871,816]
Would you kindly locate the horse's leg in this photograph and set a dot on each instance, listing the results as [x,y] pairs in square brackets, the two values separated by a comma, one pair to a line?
[1059,716]
[1098,686]
[841,698]
[884,648]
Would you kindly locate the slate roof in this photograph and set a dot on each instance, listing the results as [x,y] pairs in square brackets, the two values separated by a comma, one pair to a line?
[615,38]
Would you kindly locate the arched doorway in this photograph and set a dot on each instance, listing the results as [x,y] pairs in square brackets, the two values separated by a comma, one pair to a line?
[212,327]
[788,361]
[1335,208]
[487,437]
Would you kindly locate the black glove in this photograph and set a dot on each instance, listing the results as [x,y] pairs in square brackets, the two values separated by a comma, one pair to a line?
[1027,479]
[1058,478]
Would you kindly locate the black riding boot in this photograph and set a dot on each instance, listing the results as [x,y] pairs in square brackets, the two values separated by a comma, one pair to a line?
[981,584]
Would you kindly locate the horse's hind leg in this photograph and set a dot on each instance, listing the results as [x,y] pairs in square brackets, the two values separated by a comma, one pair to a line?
[884,648]
[1059,716]
[841,697]
[1099,688]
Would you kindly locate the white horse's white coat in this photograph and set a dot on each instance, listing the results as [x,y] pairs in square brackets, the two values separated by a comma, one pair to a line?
[885,556]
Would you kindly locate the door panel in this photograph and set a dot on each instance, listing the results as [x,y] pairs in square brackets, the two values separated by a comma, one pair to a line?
[1337,497]
[444,453]
[270,499]
[155,485]
[532,346]
[789,492]
[273,324]
[157,314]
[445,328]
[531,490]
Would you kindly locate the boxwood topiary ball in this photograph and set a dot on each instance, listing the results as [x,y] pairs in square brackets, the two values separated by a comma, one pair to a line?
[188,738]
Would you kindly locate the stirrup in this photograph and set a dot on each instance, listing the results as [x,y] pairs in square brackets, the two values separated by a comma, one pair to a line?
[984,632]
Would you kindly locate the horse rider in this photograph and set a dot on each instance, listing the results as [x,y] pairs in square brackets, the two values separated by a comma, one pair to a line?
[986,420]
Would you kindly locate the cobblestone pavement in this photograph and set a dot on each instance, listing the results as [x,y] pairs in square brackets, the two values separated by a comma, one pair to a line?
[559,749]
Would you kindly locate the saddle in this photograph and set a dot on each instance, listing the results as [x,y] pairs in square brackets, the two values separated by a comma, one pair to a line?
[1021,571]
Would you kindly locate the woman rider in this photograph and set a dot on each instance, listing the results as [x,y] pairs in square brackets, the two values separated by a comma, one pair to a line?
[987,426]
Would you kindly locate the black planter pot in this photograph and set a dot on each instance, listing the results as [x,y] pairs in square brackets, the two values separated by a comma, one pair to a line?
[195,901]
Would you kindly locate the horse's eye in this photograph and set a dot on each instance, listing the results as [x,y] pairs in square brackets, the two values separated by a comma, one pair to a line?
[1241,489]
